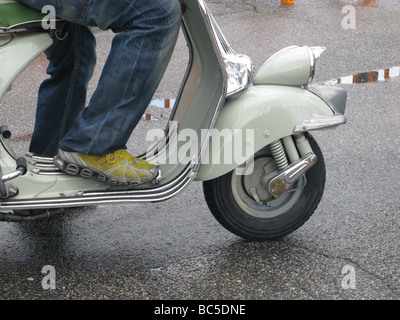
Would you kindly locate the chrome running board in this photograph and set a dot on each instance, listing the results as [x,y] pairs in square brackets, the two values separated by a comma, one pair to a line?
[87,198]
[43,165]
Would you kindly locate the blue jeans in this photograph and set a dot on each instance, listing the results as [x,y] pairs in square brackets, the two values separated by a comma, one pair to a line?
[146,33]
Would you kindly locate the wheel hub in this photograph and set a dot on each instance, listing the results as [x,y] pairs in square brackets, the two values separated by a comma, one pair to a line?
[251,193]
[254,182]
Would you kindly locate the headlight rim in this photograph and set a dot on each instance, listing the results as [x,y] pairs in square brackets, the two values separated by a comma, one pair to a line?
[314,53]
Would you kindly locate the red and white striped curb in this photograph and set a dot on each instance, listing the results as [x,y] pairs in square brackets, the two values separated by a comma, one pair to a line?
[370,76]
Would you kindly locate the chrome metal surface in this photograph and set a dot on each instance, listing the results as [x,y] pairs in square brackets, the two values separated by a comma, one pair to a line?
[320,122]
[156,194]
[43,165]
[291,174]
[12,175]
[239,68]
[315,53]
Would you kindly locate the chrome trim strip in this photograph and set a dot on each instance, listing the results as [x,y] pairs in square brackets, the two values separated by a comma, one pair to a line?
[40,159]
[107,197]
[43,165]
[315,53]
[47,171]
[313,60]
[320,122]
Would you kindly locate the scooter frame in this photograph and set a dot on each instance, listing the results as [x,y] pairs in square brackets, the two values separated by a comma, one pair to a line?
[203,102]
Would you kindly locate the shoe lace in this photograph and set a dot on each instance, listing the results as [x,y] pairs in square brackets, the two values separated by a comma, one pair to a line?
[112,156]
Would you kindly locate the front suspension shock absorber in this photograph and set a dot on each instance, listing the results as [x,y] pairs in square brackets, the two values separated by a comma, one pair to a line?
[278,153]
[302,144]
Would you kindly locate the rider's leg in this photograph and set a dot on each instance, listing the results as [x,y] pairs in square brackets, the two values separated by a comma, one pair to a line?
[63,95]
[140,51]
[147,32]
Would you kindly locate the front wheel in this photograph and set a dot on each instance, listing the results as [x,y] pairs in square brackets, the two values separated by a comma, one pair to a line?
[243,213]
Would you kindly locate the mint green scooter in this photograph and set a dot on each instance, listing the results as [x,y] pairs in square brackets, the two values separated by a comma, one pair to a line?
[244,134]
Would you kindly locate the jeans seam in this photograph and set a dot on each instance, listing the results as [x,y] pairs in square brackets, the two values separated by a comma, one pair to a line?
[84,12]
[77,59]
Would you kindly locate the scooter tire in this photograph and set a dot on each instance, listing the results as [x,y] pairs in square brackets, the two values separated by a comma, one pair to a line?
[222,204]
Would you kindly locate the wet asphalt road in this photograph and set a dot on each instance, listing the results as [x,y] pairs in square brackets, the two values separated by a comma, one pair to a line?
[176,249]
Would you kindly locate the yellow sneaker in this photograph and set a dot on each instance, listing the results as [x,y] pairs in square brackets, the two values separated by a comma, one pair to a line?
[115,168]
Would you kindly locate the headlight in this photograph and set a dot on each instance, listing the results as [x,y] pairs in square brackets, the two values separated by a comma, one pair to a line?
[239,71]
[239,68]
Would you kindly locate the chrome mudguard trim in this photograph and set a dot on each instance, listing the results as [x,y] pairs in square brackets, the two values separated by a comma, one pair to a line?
[320,122]
[336,99]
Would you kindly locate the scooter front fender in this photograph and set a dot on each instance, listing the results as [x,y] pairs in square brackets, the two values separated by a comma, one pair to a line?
[261,115]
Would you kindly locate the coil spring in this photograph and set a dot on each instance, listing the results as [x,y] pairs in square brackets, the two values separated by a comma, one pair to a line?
[278,153]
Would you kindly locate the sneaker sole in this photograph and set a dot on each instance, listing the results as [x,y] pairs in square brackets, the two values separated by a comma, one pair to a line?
[75,170]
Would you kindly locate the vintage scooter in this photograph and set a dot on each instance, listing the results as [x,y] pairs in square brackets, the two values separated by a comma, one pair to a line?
[223,110]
